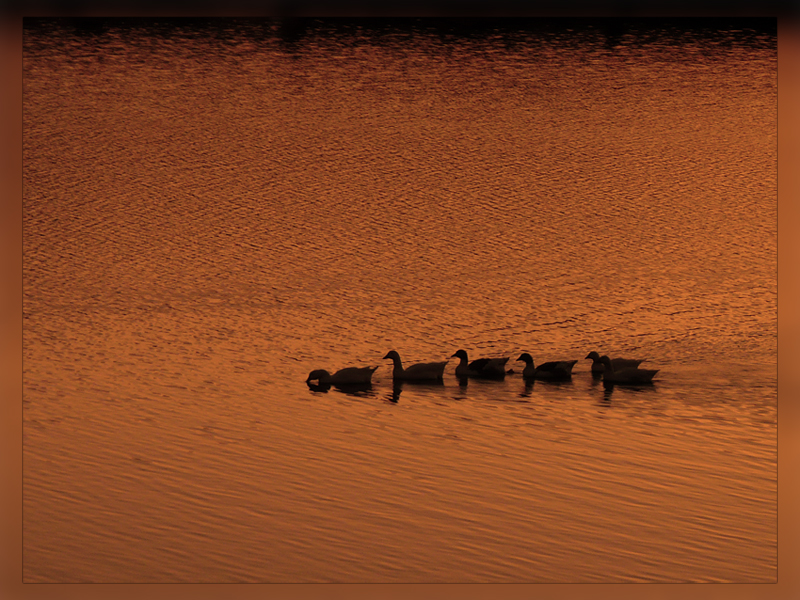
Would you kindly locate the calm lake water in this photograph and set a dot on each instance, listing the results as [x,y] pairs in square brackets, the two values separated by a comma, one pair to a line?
[214,209]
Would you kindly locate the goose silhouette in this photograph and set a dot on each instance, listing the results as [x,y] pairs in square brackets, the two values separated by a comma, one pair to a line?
[618,363]
[483,368]
[625,374]
[347,376]
[557,370]
[418,372]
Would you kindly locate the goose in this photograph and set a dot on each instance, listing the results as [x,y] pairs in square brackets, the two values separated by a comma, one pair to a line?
[557,370]
[619,363]
[625,374]
[348,376]
[486,368]
[417,372]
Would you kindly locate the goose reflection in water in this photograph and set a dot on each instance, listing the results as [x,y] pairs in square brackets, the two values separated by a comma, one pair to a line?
[550,384]
[394,395]
[351,389]
[355,389]
[607,390]
[639,385]
[398,385]
[637,388]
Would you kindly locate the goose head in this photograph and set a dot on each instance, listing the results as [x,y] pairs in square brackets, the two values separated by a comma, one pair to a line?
[392,355]
[607,363]
[593,355]
[462,354]
[317,374]
[526,358]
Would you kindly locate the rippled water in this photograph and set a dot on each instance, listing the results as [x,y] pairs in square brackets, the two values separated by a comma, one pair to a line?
[214,209]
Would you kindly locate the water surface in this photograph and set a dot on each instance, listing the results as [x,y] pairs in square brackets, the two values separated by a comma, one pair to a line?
[214,209]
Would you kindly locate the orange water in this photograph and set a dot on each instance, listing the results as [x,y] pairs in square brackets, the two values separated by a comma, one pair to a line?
[213,210]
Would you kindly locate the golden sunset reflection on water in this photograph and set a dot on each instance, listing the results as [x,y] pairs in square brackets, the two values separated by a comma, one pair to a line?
[213,210]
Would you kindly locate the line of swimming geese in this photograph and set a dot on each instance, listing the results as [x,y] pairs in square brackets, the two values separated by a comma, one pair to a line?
[612,370]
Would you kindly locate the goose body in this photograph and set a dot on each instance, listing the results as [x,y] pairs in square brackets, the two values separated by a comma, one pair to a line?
[347,376]
[618,363]
[625,374]
[418,372]
[557,370]
[484,368]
